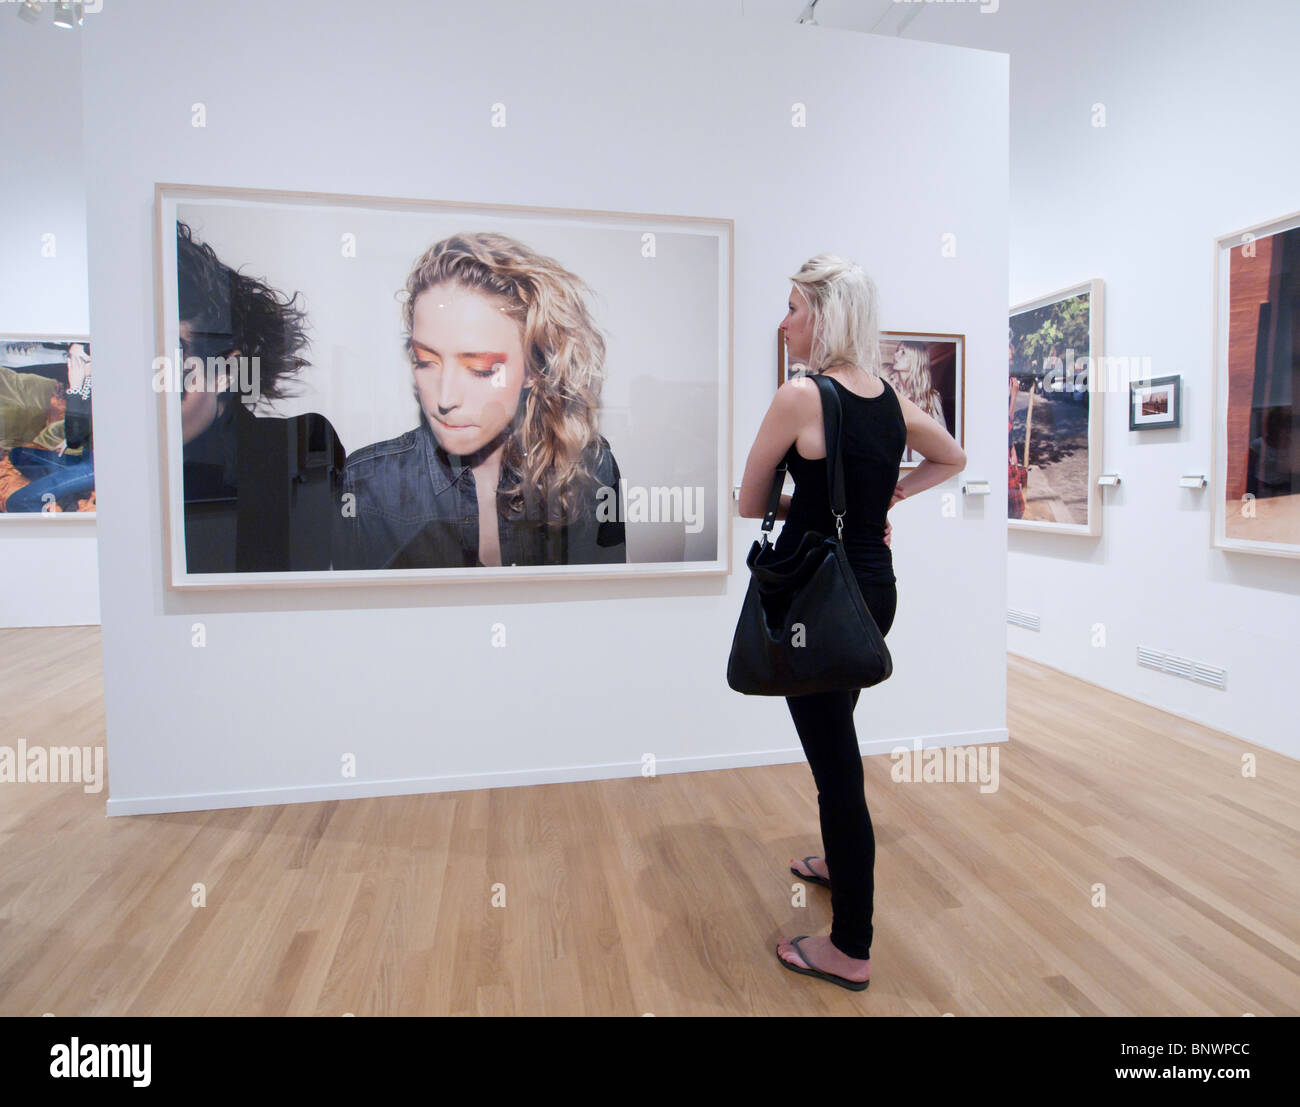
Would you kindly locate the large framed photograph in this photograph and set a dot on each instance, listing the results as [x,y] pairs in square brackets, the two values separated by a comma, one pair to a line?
[1257,389]
[930,370]
[377,390]
[47,466]
[1054,412]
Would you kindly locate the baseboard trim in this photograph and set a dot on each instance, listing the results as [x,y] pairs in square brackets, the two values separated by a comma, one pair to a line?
[572,774]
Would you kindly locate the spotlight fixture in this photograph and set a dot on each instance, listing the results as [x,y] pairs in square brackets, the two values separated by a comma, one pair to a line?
[30,12]
[69,15]
[807,16]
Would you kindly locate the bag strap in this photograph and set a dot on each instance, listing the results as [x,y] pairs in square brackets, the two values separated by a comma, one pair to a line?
[774,500]
[831,417]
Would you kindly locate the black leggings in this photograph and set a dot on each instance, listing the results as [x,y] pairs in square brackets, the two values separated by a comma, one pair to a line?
[830,742]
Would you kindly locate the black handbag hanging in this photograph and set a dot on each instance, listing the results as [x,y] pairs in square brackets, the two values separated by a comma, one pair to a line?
[804,626]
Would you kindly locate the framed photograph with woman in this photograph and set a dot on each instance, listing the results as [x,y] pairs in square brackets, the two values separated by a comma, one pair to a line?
[1054,412]
[1257,389]
[930,370]
[361,389]
[47,465]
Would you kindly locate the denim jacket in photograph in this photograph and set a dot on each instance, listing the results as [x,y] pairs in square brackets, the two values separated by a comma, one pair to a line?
[414,506]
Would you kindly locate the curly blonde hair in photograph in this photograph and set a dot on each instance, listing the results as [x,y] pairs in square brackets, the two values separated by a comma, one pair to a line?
[557,437]
[844,305]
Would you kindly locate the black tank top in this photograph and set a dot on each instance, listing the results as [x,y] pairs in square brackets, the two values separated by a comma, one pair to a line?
[873,436]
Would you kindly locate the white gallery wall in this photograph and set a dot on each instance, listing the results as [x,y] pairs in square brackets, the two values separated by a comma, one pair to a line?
[48,566]
[674,108]
[1199,141]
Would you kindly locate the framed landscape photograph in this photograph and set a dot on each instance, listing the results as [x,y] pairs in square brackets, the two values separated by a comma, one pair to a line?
[363,390]
[930,370]
[1054,412]
[47,467]
[1155,403]
[1256,503]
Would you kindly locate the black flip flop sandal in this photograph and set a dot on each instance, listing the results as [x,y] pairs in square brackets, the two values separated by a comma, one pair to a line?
[851,985]
[810,876]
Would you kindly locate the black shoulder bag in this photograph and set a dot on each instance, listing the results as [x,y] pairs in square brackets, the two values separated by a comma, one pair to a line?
[804,626]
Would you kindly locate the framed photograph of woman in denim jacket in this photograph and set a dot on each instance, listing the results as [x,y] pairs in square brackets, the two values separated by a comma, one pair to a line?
[368,389]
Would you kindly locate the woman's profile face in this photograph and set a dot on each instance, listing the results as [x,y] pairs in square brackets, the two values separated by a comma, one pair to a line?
[798,326]
[468,363]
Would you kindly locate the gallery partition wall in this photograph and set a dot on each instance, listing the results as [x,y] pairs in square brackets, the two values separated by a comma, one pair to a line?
[307,594]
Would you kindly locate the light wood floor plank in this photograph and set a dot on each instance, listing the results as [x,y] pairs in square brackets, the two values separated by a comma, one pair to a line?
[664,895]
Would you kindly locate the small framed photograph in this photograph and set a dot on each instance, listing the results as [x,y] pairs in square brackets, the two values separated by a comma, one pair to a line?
[930,370]
[1155,403]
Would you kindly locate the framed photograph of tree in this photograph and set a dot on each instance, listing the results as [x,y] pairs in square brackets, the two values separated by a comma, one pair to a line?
[1054,412]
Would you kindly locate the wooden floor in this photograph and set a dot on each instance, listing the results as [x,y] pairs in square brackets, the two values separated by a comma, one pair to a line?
[663,896]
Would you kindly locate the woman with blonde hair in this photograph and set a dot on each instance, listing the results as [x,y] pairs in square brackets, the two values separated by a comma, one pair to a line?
[507,465]
[832,325]
[910,375]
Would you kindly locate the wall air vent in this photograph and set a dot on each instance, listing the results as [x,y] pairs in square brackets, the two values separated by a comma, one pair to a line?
[1184,667]
[1023,619]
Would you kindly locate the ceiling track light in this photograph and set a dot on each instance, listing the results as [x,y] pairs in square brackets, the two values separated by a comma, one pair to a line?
[69,15]
[30,12]
[807,16]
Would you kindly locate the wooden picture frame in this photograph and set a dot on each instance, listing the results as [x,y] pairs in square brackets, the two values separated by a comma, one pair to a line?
[948,396]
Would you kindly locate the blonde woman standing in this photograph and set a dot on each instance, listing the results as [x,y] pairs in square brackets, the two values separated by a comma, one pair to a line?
[832,326]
